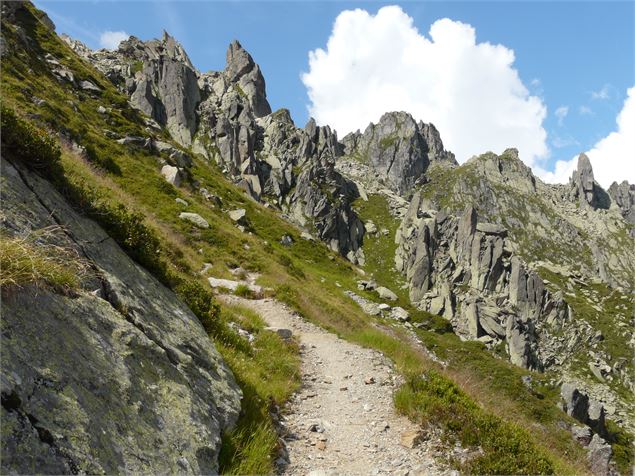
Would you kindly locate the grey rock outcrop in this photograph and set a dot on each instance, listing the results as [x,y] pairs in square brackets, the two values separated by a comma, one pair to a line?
[599,456]
[225,117]
[623,195]
[575,403]
[398,149]
[107,379]
[463,269]
[195,219]
[159,78]
[578,405]
[172,175]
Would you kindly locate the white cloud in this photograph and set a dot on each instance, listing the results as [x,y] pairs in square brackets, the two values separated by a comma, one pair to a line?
[561,172]
[472,93]
[612,158]
[561,113]
[111,39]
[602,93]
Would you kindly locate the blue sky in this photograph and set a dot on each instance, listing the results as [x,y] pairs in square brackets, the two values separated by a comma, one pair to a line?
[576,56]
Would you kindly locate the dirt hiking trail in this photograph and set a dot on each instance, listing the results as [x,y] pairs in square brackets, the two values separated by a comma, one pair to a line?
[342,420]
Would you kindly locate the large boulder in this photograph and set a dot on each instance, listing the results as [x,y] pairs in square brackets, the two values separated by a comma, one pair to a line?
[575,403]
[578,405]
[599,457]
[119,377]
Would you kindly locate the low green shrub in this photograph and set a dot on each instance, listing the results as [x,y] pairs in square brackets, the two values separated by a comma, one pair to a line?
[433,399]
[36,148]
[623,446]
[243,290]
[288,263]
[201,301]
[134,236]
[100,160]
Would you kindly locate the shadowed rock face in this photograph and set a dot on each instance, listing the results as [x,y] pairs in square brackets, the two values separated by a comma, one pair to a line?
[120,378]
[585,188]
[166,86]
[398,148]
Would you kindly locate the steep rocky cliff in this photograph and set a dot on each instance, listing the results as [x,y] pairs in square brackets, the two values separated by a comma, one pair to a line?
[548,271]
[396,152]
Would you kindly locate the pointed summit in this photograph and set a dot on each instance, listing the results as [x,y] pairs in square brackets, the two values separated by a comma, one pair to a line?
[585,188]
[239,62]
[243,71]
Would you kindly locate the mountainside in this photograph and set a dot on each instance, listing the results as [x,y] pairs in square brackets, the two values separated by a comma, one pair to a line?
[150,181]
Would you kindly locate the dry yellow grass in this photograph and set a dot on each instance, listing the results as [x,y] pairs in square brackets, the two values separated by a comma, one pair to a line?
[35,260]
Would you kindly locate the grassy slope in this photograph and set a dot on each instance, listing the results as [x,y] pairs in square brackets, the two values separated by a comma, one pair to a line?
[304,275]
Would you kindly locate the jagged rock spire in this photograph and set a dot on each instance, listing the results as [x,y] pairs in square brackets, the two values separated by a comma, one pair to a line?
[584,186]
[243,71]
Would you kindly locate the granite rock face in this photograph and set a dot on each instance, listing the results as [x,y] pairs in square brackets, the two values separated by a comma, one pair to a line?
[225,117]
[119,377]
[463,269]
[522,265]
[398,149]
[245,73]
[159,78]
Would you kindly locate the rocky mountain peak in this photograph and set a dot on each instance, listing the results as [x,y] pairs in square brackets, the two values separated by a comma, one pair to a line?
[585,188]
[241,70]
[174,50]
[506,168]
[77,46]
[398,149]
[239,62]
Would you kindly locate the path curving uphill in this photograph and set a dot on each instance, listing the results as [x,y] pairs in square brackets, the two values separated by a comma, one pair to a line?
[342,420]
